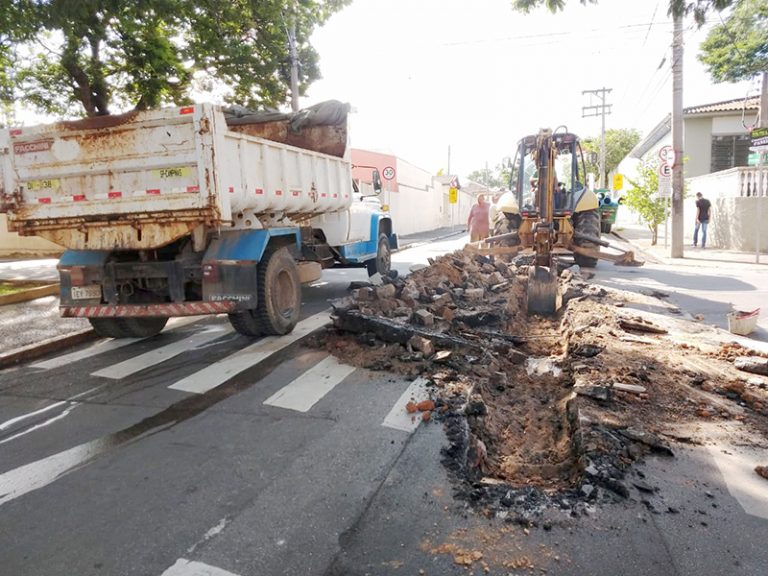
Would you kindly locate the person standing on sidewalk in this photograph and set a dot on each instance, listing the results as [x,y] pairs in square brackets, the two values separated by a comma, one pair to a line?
[478,222]
[702,219]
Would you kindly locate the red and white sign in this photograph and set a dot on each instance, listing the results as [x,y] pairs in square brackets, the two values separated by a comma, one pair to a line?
[388,173]
[667,155]
[665,170]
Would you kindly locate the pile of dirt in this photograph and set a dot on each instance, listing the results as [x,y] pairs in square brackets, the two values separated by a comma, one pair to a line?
[541,412]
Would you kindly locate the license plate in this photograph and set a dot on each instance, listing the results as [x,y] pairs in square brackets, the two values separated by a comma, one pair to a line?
[86,292]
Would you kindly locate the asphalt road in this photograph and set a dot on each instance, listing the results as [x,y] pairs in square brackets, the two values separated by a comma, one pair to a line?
[200,452]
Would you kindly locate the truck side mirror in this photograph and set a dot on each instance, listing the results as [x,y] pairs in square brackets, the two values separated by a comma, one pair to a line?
[376,181]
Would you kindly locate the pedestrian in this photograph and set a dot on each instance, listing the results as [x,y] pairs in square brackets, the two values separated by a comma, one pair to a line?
[702,219]
[477,223]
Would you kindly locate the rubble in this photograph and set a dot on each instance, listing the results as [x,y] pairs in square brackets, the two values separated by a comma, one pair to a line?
[541,413]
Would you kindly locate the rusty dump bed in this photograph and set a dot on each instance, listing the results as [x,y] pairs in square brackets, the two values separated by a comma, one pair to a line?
[145,179]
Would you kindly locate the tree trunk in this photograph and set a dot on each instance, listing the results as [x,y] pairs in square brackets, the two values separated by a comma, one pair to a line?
[654,234]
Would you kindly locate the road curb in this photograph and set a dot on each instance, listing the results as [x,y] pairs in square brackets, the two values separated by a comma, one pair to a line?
[30,294]
[32,351]
[417,243]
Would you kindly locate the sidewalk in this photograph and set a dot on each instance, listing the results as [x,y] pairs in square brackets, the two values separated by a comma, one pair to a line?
[640,237]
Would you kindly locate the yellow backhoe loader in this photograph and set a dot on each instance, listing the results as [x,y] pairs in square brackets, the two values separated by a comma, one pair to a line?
[551,212]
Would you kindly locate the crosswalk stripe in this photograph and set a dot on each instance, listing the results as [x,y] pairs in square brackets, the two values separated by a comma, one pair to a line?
[218,373]
[184,567]
[104,346]
[398,418]
[306,390]
[154,357]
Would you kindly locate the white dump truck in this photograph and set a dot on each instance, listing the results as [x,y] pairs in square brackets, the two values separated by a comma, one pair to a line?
[193,210]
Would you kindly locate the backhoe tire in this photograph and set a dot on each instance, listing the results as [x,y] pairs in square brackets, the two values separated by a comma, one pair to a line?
[143,327]
[279,304]
[109,327]
[382,264]
[605,227]
[587,223]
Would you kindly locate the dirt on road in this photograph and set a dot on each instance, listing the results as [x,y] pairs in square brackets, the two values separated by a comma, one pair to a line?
[555,411]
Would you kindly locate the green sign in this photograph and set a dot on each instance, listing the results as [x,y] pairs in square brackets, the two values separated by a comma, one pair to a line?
[754,159]
[759,137]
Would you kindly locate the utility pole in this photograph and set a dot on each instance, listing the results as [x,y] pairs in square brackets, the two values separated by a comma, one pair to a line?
[293,56]
[678,222]
[600,109]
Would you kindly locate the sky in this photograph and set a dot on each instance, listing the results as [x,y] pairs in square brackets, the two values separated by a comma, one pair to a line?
[426,75]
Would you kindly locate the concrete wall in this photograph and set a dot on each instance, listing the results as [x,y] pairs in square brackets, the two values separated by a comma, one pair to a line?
[12,245]
[697,143]
[734,223]
[416,204]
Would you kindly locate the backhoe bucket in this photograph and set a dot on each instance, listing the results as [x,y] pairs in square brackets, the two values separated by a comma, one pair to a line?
[544,296]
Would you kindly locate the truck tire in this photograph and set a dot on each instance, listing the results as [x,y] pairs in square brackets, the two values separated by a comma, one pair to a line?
[279,293]
[245,323]
[383,261]
[605,227]
[109,327]
[587,223]
[143,327]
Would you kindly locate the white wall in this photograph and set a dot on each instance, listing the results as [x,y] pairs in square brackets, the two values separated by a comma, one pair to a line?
[416,204]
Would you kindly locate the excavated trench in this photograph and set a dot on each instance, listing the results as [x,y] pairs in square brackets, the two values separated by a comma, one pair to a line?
[501,379]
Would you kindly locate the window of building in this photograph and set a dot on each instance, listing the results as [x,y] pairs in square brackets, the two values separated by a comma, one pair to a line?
[729,152]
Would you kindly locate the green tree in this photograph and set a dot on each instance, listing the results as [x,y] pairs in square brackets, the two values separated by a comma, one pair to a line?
[643,198]
[70,56]
[698,8]
[618,143]
[497,177]
[737,49]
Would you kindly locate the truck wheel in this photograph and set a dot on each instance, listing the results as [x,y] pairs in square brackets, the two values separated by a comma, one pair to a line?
[109,327]
[279,293]
[245,323]
[587,223]
[383,261]
[143,327]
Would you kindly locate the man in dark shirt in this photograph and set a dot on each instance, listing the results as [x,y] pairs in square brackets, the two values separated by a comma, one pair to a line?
[702,219]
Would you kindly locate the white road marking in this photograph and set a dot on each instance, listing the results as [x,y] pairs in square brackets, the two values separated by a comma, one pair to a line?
[738,470]
[48,422]
[218,373]
[34,475]
[104,346]
[153,357]
[306,390]
[98,348]
[8,423]
[184,567]
[215,531]
[398,418]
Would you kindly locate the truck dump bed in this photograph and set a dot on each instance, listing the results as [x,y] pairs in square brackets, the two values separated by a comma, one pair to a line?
[145,179]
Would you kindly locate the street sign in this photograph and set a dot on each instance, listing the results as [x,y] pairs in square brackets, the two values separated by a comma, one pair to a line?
[388,173]
[618,181]
[665,186]
[759,138]
[665,170]
[667,155]
[453,195]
